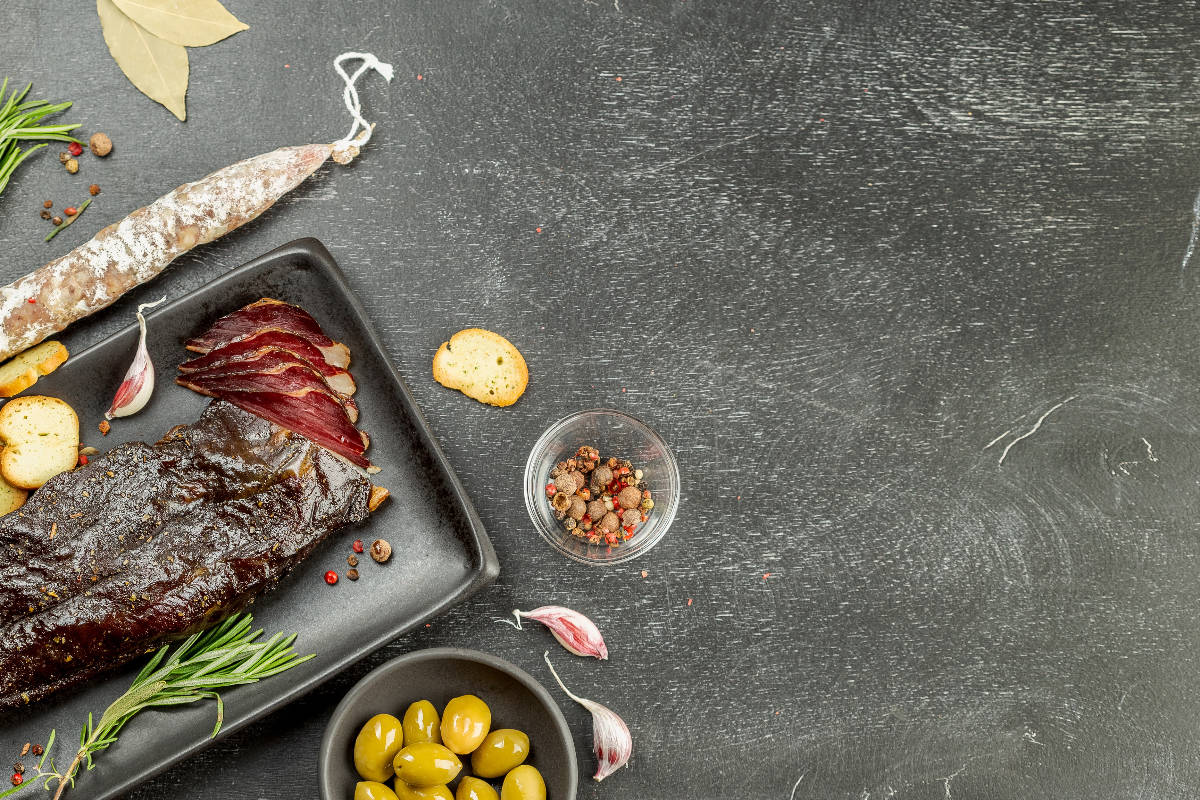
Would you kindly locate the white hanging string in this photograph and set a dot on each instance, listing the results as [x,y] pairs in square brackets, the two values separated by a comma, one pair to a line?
[348,146]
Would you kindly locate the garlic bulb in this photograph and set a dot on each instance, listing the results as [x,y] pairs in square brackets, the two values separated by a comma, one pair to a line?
[135,390]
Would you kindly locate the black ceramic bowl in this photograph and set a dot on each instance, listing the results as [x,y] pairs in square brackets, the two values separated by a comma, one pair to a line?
[438,674]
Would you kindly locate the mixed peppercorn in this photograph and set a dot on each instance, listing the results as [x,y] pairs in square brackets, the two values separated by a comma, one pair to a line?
[600,500]
[380,550]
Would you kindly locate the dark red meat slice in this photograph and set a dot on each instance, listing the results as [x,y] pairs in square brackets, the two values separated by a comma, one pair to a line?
[268,314]
[273,359]
[256,345]
[313,414]
[287,378]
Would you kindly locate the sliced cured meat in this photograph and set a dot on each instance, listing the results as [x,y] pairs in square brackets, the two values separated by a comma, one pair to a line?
[310,412]
[260,343]
[288,377]
[266,359]
[269,314]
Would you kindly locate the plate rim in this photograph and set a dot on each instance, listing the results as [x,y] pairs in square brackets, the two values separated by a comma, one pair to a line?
[314,253]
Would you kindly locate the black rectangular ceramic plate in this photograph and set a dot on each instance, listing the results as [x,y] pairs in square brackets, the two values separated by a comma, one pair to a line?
[442,554]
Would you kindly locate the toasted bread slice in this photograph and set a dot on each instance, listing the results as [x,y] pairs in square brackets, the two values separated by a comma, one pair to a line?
[41,439]
[22,370]
[482,365]
[11,497]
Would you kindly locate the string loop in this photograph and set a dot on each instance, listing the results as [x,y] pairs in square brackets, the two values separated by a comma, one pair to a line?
[346,148]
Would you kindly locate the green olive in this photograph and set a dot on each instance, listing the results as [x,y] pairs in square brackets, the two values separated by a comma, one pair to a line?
[501,750]
[465,721]
[373,790]
[426,764]
[406,792]
[375,747]
[470,788]
[421,723]
[523,783]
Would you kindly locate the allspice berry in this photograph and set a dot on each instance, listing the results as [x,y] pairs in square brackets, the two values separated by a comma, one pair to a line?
[561,501]
[94,189]
[381,551]
[596,510]
[100,144]
[609,522]
[629,497]
[630,516]
[602,476]
[72,165]
[578,508]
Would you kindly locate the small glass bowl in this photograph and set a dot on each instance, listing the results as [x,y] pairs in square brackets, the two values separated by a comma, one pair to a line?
[613,434]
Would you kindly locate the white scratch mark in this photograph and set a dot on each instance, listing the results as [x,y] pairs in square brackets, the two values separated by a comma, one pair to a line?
[1036,426]
[1149,457]
[998,438]
[1030,736]
[1191,248]
[946,780]
[796,786]
[702,153]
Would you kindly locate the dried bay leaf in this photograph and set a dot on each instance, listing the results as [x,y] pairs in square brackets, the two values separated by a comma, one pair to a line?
[191,23]
[158,68]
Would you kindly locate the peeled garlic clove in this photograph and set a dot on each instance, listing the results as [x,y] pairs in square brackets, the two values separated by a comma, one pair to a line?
[573,630]
[135,390]
[611,741]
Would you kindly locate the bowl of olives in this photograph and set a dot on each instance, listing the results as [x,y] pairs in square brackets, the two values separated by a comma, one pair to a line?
[447,724]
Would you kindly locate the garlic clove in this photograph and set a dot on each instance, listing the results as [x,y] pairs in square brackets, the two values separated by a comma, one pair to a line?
[573,630]
[138,384]
[611,741]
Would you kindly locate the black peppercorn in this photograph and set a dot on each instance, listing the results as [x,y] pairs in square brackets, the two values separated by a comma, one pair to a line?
[352,574]
[37,750]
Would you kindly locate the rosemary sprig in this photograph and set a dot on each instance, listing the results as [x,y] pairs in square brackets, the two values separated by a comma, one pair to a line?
[224,656]
[20,122]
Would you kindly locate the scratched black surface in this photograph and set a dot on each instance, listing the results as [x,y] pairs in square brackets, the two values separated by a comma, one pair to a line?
[831,251]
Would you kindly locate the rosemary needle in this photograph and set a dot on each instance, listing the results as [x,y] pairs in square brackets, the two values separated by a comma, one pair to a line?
[58,229]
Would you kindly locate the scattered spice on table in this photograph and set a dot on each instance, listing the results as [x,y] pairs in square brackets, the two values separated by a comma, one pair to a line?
[45,214]
[72,165]
[104,427]
[94,189]
[600,500]
[357,546]
[60,225]
[100,144]
[331,577]
[352,574]
[75,149]
[381,551]
[48,204]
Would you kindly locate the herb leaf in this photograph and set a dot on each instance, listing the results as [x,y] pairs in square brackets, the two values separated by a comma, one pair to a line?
[158,68]
[191,23]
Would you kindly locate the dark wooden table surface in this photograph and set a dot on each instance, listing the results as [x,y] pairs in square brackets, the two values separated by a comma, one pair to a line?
[831,252]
